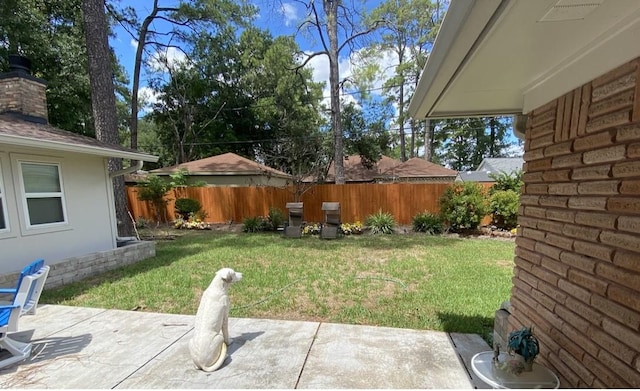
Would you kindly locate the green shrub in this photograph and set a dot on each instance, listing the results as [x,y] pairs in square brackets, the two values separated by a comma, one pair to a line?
[187,207]
[179,178]
[153,189]
[506,181]
[141,222]
[199,183]
[381,223]
[504,204]
[275,219]
[428,222]
[463,206]
[254,224]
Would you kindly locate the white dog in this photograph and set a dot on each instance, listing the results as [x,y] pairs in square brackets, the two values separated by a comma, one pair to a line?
[208,347]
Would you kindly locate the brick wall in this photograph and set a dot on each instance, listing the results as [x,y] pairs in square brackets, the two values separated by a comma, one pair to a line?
[577,273]
[23,94]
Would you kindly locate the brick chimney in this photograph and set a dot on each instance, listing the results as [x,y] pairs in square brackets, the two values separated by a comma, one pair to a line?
[21,93]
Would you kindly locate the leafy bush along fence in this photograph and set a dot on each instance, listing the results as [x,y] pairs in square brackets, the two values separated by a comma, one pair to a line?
[357,201]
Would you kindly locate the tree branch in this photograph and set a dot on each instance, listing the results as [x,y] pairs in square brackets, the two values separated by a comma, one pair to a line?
[317,25]
[310,56]
[186,23]
[347,41]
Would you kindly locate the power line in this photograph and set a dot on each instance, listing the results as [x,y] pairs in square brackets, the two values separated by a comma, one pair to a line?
[343,93]
[280,139]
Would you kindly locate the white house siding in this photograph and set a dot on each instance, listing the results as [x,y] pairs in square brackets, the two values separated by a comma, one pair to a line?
[90,225]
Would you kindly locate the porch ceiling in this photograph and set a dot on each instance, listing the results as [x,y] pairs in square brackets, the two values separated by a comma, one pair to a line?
[511,56]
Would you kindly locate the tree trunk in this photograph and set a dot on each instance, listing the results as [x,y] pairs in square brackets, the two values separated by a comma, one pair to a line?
[331,11]
[427,140]
[103,100]
[492,136]
[403,143]
[142,38]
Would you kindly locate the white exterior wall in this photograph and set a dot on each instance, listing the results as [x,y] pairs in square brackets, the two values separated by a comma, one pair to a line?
[90,213]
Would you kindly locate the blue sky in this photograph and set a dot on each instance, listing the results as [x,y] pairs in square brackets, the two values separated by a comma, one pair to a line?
[278,17]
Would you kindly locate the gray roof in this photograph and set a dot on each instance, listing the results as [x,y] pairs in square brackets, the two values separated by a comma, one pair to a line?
[497,165]
[492,166]
[474,176]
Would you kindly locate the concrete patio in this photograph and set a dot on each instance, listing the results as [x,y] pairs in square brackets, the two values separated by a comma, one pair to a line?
[77,347]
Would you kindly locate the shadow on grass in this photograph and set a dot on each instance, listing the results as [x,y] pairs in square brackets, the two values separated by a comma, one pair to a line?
[165,256]
[475,324]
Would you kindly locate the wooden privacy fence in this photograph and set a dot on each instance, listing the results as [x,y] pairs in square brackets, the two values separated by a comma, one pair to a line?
[357,201]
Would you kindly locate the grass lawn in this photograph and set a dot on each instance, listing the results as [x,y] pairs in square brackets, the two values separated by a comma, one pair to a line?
[408,281]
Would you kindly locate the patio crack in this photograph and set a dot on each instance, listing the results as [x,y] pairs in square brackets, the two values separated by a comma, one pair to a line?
[304,363]
[154,356]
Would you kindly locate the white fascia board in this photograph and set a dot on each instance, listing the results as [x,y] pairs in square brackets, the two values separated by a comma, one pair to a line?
[66,147]
[470,113]
[461,27]
[613,48]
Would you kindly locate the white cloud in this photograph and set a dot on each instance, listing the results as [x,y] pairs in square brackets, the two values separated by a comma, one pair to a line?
[134,43]
[515,150]
[387,61]
[147,97]
[320,67]
[167,59]
[290,13]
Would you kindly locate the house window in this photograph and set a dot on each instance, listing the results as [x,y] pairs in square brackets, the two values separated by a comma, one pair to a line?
[43,195]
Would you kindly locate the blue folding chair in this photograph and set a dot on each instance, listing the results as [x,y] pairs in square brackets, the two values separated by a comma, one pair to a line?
[25,301]
[30,269]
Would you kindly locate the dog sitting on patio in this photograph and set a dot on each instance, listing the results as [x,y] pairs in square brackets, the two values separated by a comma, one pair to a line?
[208,347]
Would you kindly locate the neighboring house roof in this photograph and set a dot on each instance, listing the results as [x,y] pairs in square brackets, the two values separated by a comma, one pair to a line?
[494,57]
[475,176]
[490,166]
[415,168]
[354,171]
[225,164]
[388,168]
[15,130]
[136,177]
[502,164]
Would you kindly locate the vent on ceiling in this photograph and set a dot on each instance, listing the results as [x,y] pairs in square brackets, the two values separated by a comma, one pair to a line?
[570,10]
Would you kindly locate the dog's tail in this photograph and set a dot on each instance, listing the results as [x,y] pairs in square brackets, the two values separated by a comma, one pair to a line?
[218,363]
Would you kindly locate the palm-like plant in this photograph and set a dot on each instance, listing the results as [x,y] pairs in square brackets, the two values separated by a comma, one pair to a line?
[524,343]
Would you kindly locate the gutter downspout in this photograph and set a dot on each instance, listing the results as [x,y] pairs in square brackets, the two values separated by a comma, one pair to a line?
[128,170]
[124,171]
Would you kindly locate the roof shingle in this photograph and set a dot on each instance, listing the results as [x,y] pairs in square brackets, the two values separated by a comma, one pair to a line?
[15,130]
[225,164]
[419,168]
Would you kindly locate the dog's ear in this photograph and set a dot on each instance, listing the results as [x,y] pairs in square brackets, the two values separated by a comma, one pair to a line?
[226,275]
